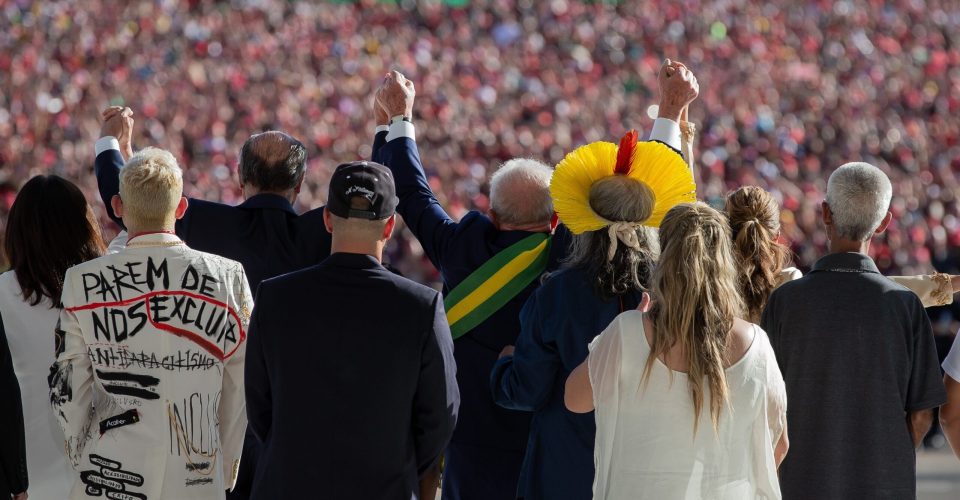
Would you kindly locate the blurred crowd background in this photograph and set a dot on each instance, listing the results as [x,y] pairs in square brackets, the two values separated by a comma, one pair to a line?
[789,91]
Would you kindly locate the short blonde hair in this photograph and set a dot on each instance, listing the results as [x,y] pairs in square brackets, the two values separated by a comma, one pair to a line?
[151,185]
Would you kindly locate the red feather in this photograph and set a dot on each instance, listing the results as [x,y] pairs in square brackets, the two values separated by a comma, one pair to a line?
[625,152]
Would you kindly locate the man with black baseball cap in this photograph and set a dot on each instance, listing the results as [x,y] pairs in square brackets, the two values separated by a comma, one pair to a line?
[350,379]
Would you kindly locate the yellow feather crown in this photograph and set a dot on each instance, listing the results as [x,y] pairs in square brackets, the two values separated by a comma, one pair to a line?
[652,163]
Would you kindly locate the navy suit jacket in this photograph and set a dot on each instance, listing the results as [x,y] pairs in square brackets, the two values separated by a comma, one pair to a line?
[350,382]
[458,249]
[263,233]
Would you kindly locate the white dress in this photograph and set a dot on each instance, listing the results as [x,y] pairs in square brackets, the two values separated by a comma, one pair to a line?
[30,335]
[646,447]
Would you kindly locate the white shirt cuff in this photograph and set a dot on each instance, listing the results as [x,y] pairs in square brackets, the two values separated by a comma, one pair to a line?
[667,131]
[381,128]
[105,143]
[406,129]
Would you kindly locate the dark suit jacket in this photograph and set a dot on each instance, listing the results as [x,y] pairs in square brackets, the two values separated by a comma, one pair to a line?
[458,249]
[13,455]
[350,382]
[263,233]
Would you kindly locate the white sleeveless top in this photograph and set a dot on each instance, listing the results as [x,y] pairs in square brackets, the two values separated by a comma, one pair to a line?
[646,447]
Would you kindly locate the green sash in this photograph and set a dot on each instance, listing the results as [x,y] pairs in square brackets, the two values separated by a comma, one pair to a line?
[494,283]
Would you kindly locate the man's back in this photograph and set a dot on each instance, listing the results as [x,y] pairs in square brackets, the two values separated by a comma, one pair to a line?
[857,355]
[347,365]
[148,385]
[263,233]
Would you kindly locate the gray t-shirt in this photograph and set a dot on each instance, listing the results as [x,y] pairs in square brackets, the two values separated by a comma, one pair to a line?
[857,354]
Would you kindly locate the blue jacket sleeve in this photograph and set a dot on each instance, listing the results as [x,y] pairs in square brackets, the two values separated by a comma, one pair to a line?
[418,206]
[525,380]
[437,399]
[256,377]
[107,169]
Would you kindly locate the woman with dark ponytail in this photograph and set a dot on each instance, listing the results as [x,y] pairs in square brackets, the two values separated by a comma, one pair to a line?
[763,262]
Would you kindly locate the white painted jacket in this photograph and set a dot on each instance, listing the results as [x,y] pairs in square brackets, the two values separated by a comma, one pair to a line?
[148,382]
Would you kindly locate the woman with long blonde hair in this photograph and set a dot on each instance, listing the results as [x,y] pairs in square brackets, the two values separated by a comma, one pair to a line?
[689,399]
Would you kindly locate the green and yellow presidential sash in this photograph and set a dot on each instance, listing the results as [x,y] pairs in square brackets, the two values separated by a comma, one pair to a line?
[494,283]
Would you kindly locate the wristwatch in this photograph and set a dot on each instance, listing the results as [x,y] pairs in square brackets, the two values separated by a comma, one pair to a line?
[399,118]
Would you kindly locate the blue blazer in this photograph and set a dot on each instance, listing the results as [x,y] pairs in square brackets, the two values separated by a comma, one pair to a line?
[457,249]
[558,323]
[263,233]
[350,382]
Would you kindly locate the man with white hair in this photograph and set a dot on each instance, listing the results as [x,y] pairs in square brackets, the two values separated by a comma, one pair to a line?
[148,381]
[490,264]
[858,357]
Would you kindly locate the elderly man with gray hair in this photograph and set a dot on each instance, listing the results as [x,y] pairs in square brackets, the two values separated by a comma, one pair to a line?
[857,354]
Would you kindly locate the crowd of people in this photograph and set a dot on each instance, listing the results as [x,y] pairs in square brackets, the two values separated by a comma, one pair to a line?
[580,278]
[791,89]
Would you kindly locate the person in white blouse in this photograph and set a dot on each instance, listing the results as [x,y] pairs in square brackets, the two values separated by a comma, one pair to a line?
[689,399]
[50,228]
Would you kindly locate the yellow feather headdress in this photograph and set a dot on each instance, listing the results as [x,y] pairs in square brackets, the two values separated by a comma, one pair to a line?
[652,163]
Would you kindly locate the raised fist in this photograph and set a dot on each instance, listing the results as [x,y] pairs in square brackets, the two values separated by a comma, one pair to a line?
[678,88]
[396,95]
[118,122]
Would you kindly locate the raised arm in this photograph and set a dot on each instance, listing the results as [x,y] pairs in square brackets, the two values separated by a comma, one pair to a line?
[380,132]
[418,206]
[678,88]
[112,149]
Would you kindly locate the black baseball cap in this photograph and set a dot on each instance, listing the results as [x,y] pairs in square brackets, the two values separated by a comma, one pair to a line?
[368,180]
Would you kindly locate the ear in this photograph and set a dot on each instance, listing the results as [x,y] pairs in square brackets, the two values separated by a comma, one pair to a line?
[494,218]
[117,204]
[644,303]
[181,207]
[388,229]
[327,222]
[296,189]
[884,223]
[827,214]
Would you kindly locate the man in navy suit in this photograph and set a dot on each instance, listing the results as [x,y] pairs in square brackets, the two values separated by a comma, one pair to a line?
[350,377]
[264,233]
[486,452]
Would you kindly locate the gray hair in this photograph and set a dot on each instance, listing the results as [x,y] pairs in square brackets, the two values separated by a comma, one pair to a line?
[859,196]
[520,192]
